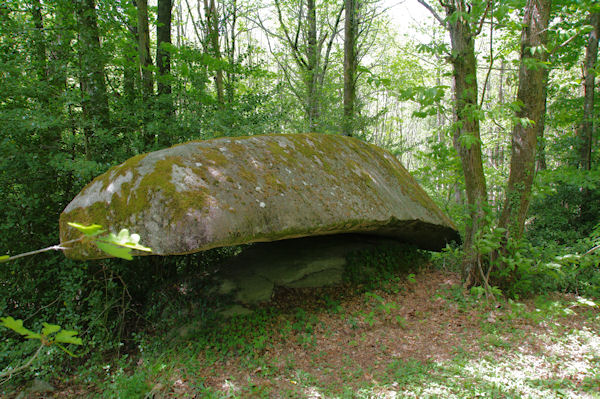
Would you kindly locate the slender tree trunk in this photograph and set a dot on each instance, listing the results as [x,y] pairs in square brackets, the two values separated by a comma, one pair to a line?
[163,55]
[312,101]
[231,75]
[59,52]
[163,65]
[131,68]
[541,127]
[39,42]
[144,50]
[586,130]
[467,140]
[498,151]
[94,101]
[212,27]
[524,135]
[350,30]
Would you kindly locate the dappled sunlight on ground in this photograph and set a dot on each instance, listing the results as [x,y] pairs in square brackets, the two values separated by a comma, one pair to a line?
[420,339]
[417,336]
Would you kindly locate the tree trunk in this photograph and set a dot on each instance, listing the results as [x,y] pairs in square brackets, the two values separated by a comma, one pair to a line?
[467,140]
[163,55]
[231,75]
[39,42]
[541,127]
[530,94]
[586,130]
[312,101]
[212,27]
[94,101]
[350,29]
[59,52]
[163,64]
[131,71]
[144,50]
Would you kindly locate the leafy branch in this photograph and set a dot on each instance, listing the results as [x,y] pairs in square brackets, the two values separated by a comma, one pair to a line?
[117,245]
[51,335]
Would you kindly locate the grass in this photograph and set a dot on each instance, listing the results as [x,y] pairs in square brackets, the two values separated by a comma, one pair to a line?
[421,337]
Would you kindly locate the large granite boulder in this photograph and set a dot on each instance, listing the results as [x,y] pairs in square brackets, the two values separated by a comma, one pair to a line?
[229,191]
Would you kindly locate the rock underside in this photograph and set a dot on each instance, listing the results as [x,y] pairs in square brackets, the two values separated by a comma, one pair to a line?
[231,191]
[251,277]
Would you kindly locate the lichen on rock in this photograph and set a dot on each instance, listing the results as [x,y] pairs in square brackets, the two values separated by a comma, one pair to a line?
[229,191]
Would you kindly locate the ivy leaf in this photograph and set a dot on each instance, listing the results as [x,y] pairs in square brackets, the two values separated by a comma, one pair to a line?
[90,231]
[68,337]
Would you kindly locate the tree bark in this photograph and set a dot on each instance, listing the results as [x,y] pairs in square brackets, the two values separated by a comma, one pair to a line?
[231,74]
[39,41]
[94,102]
[586,130]
[311,70]
[467,139]
[541,127]
[144,50]
[310,43]
[163,65]
[350,30]
[463,29]
[59,50]
[163,55]
[530,95]
[212,27]
[131,69]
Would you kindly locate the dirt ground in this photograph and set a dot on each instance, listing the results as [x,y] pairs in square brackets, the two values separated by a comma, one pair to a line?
[419,336]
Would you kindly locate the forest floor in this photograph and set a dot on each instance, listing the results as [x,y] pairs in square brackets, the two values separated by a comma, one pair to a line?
[419,336]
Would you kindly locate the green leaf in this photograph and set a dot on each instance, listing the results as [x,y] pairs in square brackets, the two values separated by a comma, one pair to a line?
[68,337]
[115,250]
[50,329]
[17,326]
[4,258]
[123,239]
[90,231]
[467,140]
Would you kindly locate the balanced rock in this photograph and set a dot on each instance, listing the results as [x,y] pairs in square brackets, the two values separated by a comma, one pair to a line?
[229,191]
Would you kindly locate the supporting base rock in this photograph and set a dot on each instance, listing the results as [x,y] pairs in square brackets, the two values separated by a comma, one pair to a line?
[251,277]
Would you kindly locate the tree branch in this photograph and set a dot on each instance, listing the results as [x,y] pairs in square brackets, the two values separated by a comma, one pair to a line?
[487,76]
[292,44]
[330,44]
[487,9]
[433,12]
[9,373]
[563,44]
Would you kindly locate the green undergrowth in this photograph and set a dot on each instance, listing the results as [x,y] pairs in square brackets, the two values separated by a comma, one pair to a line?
[515,349]
[375,266]
[521,350]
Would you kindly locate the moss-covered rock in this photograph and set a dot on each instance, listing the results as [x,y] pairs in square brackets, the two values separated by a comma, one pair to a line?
[228,191]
